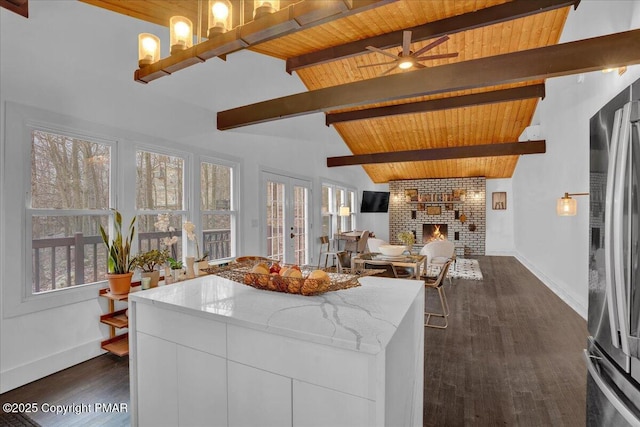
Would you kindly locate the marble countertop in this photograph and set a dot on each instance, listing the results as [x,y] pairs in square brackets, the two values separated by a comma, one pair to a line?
[362,318]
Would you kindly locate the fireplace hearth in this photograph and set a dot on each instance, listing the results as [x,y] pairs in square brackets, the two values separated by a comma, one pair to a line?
[431,232]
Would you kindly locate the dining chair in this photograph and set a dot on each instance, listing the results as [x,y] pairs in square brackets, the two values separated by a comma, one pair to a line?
[325,250]
[438,253]
[437,284]
[360,245]
[344,261]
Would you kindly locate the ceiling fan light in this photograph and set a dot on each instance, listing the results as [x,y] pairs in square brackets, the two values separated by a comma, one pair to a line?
[405,64]
[180,33]
[148,49]
[220,17]
[265,7]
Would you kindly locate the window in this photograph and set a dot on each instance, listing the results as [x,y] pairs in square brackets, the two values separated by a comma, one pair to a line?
[160,201]
[334,197]
[217,210]
[70,194]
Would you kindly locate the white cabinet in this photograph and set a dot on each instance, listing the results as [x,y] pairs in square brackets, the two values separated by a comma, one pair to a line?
[216,353]
[257,397]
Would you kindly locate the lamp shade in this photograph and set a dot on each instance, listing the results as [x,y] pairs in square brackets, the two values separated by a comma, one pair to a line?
[219,17]
[566,206]
[180,33]
[265,7]
[344,211]
[148,49]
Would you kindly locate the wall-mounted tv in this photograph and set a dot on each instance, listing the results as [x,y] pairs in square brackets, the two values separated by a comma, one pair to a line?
[375,201]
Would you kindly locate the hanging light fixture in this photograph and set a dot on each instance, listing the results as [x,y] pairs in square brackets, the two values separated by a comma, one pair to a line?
[220,18]
[180,33]
[265,7]
[148,49]
[567,206]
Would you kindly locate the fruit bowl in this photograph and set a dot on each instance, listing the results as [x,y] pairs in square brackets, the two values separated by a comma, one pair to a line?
[392,250]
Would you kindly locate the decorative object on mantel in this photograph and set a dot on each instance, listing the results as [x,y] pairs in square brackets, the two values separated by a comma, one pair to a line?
[499,200]
[567,206]
[119,252]
[411,195]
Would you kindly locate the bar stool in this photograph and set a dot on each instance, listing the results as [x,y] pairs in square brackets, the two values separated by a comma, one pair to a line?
[324,241]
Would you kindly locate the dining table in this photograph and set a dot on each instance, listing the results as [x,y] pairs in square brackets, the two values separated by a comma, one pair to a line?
[416,264]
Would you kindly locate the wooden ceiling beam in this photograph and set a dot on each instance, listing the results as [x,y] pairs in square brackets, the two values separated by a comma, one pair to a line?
[491,97]
[610,51]
[462,152]
[455,24]
[21,7]
[295,17]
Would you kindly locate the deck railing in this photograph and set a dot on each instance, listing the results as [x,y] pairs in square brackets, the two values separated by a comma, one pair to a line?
[59,254]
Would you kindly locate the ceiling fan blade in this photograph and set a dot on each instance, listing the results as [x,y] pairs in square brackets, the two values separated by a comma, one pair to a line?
[444,55]
[406,43]
[431,45]
[388,71]
[375,49]
[376,64]
[419,65]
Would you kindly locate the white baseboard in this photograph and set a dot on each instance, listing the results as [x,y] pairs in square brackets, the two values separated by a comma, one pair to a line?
[500,253]
[579,308]
[24,374]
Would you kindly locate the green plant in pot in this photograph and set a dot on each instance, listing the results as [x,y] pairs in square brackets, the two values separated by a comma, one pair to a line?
[119,255]
[176,267]
[147,263]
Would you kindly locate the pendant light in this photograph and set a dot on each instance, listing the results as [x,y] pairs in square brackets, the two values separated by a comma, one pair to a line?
[148,49]
[265,7]
[220,19]
[180,33]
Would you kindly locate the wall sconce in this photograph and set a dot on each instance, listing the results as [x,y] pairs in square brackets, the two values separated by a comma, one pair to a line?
[180,33]
[219,17]
[148,49]
[265,7]
[566,206]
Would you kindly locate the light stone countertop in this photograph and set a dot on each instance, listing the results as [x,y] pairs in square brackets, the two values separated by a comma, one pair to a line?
[363,318]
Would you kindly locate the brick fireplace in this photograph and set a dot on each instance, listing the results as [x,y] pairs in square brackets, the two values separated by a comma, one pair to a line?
[464,220]
[431,232]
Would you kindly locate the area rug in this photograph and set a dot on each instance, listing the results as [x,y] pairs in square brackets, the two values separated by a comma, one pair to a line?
[16,420]
[463,268]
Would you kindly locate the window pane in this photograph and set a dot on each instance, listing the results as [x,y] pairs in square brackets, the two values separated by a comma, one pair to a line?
[159,181]
[275,220]
[67,251]
[160,232]
[69,173]
[215,184]
[216,235]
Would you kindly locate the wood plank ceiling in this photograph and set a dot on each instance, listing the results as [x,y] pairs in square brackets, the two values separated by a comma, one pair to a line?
[493,123]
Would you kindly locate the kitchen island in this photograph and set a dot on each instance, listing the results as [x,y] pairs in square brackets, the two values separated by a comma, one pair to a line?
[210,351]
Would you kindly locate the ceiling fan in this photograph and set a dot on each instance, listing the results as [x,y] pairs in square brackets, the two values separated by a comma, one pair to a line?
[406,59]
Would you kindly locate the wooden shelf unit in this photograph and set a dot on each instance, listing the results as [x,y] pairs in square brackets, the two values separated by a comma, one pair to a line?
[117,343]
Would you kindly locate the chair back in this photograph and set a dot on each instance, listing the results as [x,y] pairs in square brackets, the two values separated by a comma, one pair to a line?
[361,247]
[438,248]
[374,244]
[344,260]
[441,276]
[389,269]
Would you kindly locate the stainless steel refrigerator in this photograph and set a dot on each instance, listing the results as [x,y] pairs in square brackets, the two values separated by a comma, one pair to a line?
[613,348]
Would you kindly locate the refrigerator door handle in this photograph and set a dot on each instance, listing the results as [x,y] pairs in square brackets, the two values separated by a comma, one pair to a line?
[611,396]
[620,279]
[608,231]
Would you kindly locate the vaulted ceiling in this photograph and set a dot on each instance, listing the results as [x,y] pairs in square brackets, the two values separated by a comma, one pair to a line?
[458,121]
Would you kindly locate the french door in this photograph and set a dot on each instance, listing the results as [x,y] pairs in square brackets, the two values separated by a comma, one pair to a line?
[286,218]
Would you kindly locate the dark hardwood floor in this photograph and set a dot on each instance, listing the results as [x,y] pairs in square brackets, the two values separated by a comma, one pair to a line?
[511,356]
[85,388]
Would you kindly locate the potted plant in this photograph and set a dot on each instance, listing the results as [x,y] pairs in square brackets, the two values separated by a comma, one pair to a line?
[119,252]
[148,262]
[176,268]
[200,262]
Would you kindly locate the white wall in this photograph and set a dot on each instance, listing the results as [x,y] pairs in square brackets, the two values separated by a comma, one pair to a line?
[556,248]
[87,83]
[499,234]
